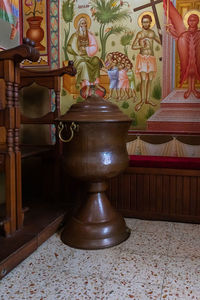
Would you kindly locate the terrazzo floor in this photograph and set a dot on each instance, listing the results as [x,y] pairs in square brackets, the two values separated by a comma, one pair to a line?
[160,260]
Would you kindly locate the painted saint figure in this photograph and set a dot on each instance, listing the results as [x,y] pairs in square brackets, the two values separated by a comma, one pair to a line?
[9,12]
[83,46]
[146,61]
[188,46]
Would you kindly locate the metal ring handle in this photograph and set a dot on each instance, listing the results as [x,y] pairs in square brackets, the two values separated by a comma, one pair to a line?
[73,127]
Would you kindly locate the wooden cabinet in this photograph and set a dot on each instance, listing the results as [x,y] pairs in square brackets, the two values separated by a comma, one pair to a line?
[11,217]
[48,149]
[22,232]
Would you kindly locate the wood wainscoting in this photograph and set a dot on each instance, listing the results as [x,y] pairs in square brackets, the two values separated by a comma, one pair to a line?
[157,194]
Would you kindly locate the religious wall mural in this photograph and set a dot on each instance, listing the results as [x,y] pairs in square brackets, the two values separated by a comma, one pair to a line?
[37,20]
[179,109]
[141,55]
[35,26]
[9,23]
[184,29]
[116,47]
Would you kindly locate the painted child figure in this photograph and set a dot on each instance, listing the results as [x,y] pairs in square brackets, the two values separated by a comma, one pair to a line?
[123,84]
[131,78]
[113,74]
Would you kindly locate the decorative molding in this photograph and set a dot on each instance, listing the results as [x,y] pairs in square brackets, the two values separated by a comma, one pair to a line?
[54,34]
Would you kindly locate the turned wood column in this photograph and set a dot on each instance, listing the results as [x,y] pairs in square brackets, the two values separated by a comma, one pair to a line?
[10,222]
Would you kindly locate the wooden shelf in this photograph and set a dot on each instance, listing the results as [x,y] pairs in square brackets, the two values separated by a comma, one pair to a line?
[28,151]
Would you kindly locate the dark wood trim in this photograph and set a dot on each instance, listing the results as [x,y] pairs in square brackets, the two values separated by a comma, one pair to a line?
[145,215]
[157,194]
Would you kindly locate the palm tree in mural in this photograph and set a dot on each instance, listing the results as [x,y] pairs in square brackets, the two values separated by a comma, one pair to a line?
[126,41]
[68,14]
[108,12]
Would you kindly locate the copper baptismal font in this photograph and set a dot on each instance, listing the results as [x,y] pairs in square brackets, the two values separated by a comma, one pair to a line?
[94,152]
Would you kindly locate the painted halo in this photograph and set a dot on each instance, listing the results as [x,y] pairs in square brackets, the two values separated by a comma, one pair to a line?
[146,13]
[188,13]
[77,19]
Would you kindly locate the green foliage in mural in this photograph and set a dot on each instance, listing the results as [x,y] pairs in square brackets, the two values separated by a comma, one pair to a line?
[105,12]
[67,14]
[126,41]
[79,99]
[157,48]
[134,122]
[149,113]
[157,91]
[125,105]
[133,57]
[63,93]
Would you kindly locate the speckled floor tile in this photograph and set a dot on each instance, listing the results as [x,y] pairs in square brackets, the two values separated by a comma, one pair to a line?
[125,289]
[145,243]
[185,244]
[140,268]
[97,262]
[180,292]
[152,226]
[75,287]
[130,222]
[61,286]
[186,228]
[156,255]
[183,270]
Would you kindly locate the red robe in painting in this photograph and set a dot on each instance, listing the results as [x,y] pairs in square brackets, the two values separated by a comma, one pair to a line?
[189,52]
[188,45]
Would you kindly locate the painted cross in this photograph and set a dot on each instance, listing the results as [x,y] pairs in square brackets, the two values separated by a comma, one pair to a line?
[152,4]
